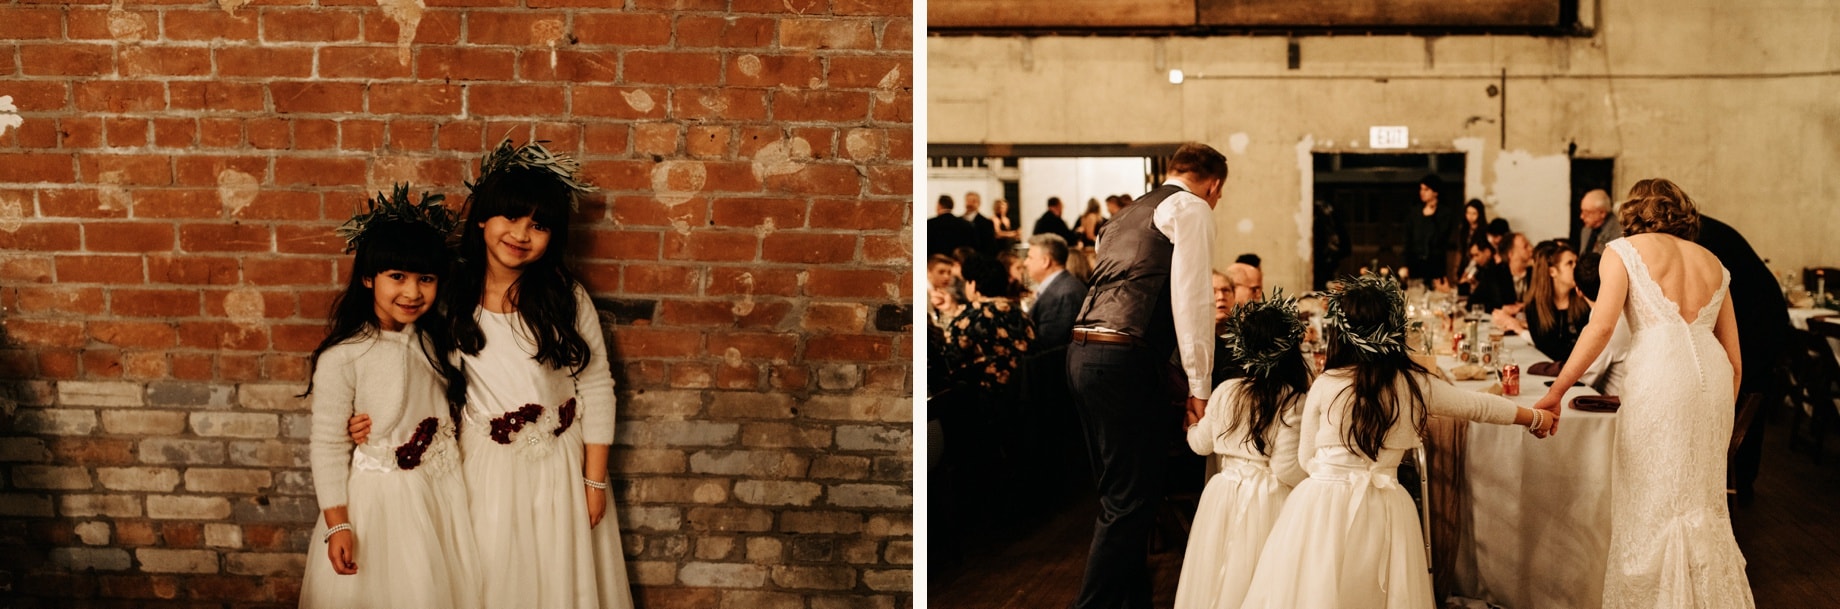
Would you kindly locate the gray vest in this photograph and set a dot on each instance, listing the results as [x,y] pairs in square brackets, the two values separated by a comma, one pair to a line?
[1130,281]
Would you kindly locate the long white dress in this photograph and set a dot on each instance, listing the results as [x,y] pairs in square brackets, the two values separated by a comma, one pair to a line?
[402,487]
[1239,504]
[1671,544]
[1348,537]
[524,473]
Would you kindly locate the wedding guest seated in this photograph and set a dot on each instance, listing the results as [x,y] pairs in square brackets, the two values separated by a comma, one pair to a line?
[1059,294]
[1498,233]
[1486,282]
[943,296]
[984,349]
[1248,281]
[1224,367]
[1556,314]
[1606,372]
[1519,259]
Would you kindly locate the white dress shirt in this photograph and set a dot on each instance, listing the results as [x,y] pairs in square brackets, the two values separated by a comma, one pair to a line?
[1606,372]
[1191,297]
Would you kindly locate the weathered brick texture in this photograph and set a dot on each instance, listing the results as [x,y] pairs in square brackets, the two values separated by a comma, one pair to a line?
[170,174]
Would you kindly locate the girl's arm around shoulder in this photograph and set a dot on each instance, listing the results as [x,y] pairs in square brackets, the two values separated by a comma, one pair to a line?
[1284,462]
[334,399]
[594,385]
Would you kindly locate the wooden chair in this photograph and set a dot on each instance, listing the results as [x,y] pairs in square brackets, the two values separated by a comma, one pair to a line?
[1816,371]
[1748,404]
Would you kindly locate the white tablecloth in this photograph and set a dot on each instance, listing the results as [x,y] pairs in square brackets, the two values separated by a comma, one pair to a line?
[1537,506]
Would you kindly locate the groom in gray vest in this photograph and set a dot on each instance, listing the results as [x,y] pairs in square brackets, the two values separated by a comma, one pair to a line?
[1150,298]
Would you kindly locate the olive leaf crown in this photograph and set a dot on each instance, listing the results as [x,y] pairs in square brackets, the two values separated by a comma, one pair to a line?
[532,155]
[396,207]
[1386,338]
[1261,360]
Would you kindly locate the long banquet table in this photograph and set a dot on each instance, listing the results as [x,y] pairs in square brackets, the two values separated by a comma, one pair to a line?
[1533,506]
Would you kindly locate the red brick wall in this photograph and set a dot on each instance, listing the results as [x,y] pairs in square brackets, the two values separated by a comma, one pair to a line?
[167,199]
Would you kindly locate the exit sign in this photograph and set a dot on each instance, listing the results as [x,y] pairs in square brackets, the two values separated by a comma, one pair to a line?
[1387,137]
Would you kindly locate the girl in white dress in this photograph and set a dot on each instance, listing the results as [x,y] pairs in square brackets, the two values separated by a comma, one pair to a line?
[1251,423]
[539,410]
[394,528]
[1348,537]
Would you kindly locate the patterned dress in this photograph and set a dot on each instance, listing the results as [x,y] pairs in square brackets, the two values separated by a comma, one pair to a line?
[985,343]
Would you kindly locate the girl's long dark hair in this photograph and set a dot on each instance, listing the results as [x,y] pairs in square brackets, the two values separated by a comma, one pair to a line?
[544,294]
[1377,403]
[397,246]
[1268,397]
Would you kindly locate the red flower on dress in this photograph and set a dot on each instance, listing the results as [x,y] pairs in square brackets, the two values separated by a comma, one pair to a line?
[511,422]
[410,455]
[567,414]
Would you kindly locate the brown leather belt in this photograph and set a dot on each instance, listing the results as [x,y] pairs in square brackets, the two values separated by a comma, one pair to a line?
[1083,335]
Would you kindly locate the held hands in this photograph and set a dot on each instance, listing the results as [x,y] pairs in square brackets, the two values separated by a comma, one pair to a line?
[1194,410]
[360,428]
[1548,407]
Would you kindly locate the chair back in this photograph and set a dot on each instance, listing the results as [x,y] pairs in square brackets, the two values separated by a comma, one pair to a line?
[1748,403]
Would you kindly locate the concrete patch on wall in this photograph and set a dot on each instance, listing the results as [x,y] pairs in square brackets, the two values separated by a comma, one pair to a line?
[408,17]
[1237,142]
[9,115]
[639,100]
[1473,188]
[782,157]
[230,6]
[745,305]
[885,90]
[245,308]
[547,32]
[109,191]
[126,27]
[1533,192]
[236,190]
[1244,226]
[676,182]
[12,213]
[748,64]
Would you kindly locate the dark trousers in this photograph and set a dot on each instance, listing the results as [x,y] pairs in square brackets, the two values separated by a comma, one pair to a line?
[1120,393]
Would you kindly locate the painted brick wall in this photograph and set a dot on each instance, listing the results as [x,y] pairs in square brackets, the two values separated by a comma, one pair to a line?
[170,174]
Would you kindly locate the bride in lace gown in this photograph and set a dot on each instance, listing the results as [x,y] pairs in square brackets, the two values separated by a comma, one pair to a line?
[1671,544]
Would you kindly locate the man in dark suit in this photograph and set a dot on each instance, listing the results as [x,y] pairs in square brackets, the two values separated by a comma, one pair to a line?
[1058,293]
[946,232]
[1763,327]
[983,230]
[1489,284]
[1051,223]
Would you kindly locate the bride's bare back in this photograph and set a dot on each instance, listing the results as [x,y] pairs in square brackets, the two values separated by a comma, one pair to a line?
[1687,274]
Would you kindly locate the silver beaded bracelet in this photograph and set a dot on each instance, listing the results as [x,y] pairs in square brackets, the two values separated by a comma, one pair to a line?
[594,485]
[329,532]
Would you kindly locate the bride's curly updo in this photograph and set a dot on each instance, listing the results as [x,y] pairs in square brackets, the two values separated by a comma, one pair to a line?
[1656,205]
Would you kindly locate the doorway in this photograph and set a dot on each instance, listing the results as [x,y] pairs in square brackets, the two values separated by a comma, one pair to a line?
[1362,201]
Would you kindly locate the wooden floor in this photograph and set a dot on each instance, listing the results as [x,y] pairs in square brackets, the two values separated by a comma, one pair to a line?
[1790,535]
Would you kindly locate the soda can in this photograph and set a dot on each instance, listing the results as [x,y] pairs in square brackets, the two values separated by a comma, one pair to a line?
[1511,379]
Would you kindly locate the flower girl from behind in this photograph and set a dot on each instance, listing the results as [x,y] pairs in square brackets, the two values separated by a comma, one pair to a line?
[1251,423]
[1349,535]
[394,528]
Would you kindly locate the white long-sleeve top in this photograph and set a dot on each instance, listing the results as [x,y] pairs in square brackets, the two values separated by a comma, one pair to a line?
[1326,421]
[1209,436]
[1188,221]
[386,375]
[505,375]
[1606,372]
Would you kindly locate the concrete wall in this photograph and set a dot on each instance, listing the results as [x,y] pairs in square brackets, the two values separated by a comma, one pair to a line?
[1713,95]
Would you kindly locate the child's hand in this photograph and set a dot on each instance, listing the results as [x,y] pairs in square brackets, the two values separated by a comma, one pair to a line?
[597,506]
[360,428]
[342,549]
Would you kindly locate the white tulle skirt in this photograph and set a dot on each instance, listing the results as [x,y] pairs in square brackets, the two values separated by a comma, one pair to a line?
[1348,538]
[1238,508]
[414,543]
[530,519]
